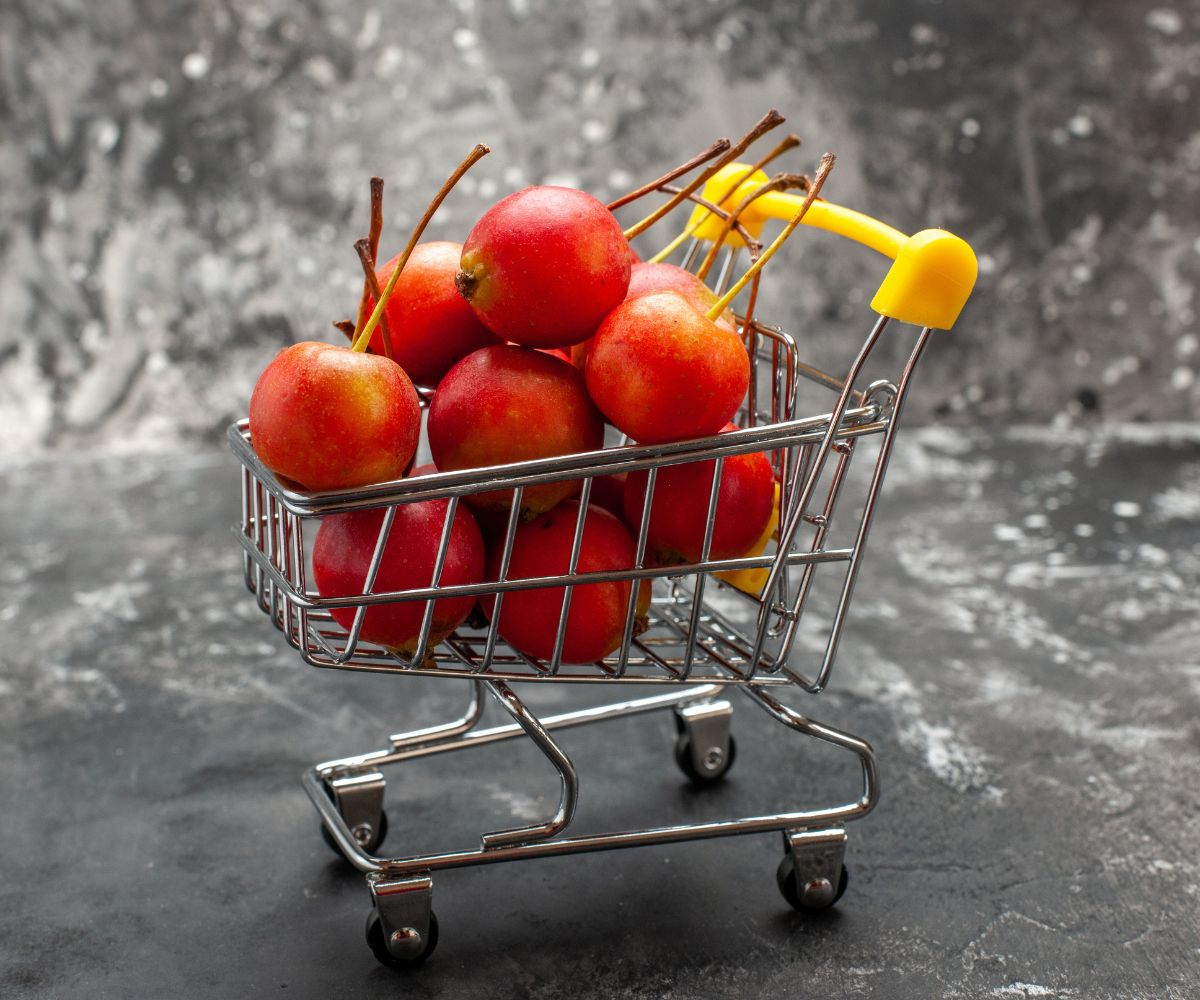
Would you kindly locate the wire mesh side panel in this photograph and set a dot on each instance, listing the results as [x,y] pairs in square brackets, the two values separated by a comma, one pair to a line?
[697,628]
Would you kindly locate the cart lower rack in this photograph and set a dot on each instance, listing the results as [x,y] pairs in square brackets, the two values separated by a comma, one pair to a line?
[698,651]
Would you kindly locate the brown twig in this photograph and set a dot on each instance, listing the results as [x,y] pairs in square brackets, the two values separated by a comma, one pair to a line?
[346,327]
[363,249]
[718,147]
[364,337]
[373,240]
[719,212]
[780,182]
[718,307]
[768,121]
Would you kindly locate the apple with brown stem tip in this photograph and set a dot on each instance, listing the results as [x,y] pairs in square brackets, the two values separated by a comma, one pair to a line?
[333,418]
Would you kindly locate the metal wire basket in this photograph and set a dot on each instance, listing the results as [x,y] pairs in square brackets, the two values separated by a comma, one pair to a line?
[689,645]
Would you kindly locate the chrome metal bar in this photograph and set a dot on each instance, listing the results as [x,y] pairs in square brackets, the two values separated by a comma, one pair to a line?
[568,779]
[561,580]
[635,587]
[821,529]
[510,534]
[723,279]
[560,635]
[448,730]
[385,529]
[714,495]
[860,748]
[439,564]
[788,531]
[864,528]
[409,746]
[855,422]
[256,501]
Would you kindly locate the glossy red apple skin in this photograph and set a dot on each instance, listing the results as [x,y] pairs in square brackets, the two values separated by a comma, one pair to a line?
[663,277]
[511,404]
[661,371]
[609,492]
[342,555]
[645,278]
[544,266]
[596,621]
[679,511]
[328,418]
[432,327]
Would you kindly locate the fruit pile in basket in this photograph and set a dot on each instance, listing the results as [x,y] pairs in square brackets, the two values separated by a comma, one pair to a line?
[536,331]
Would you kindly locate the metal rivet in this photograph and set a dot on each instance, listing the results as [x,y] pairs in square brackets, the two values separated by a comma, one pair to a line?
[817,893]
[405,941]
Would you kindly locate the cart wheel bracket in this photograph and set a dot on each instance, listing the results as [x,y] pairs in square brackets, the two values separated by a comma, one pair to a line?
[706,728]
[817,864]
[405,908]
[359,801]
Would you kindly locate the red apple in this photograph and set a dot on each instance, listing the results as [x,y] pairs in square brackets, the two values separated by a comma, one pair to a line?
[609,492]
[648,277]
[596,621]
[660,370]
[662,277]
[511,404]
[679,511]
[431,326]
[329,418]
[544,266]
[342,555]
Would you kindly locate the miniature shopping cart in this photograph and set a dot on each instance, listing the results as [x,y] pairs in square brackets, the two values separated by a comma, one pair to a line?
[695,650]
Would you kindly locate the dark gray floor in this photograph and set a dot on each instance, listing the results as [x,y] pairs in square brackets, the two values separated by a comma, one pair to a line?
[1022,655]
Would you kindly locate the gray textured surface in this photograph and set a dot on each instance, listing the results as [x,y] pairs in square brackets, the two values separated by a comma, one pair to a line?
[1023,657]
[183,180]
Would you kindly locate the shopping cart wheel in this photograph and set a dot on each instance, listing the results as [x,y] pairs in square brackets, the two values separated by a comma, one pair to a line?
[716,763]
[421,949]
[374,836]
[815,898]
[811,875]
[704,747]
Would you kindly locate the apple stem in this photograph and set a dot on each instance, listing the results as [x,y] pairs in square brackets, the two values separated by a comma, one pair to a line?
[780,182]
[720,213]
[718,147]
[373,242]
[789,142]
[364,338]
[822,172]
[346,327]
[768,121]
[367,258]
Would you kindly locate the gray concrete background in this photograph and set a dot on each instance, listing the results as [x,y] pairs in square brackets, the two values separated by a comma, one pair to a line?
[182,182]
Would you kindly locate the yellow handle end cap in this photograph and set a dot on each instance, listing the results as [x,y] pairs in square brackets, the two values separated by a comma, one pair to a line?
[929,281]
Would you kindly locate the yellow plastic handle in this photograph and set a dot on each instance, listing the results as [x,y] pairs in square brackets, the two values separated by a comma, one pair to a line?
[933,271]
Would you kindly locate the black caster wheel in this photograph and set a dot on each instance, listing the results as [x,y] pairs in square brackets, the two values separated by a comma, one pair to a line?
[379,946]
[683,757]
[371,846]
[816,900]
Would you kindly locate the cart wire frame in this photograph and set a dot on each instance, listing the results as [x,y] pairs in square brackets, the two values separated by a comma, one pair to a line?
[690,646]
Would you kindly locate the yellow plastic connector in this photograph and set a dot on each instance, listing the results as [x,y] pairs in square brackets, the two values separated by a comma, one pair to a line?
[933,272]
[930,280]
